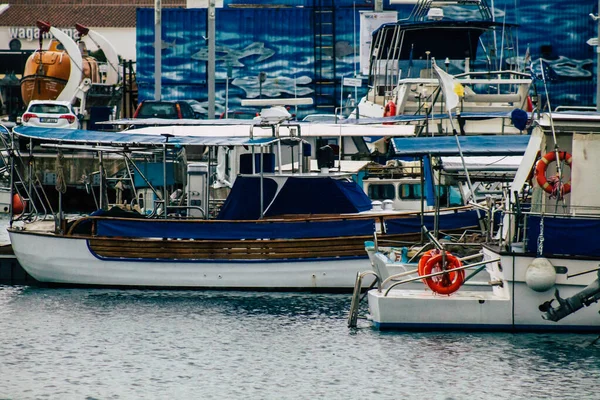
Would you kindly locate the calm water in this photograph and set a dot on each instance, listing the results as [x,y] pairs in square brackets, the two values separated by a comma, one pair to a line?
[110,344]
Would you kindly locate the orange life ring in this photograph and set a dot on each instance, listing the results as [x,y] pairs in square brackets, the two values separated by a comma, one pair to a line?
[447,283]
[542,166]
[529,106]
[389,110]
[423,260]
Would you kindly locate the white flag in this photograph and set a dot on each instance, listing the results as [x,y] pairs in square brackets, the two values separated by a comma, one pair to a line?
[450,87]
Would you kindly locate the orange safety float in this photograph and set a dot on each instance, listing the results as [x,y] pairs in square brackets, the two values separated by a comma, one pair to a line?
[550,186]
[18,205]
[389,111]
[447,283]
[423,260]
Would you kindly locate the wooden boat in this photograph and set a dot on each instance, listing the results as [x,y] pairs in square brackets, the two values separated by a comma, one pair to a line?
[275,231]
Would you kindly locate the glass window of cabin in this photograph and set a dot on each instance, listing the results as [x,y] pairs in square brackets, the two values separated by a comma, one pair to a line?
[409,191]
[381,192]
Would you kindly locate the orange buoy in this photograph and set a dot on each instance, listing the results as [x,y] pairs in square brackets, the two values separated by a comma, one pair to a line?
[18,205]
[389,111]
[540,173]
[448,282]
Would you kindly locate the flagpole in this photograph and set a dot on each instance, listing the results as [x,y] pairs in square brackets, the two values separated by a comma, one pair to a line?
[446,80]
[558,168]
[462,159]
[598,62]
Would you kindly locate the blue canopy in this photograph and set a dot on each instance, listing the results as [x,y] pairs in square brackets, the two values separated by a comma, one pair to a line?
[293,195]
[470,145]
[78,136]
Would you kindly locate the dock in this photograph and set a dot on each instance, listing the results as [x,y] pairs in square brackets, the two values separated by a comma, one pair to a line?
[11,272]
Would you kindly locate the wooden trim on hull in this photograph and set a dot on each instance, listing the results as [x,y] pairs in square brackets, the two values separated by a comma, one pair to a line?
[278,249]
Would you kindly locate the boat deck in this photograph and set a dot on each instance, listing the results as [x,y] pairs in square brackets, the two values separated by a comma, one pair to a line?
[426,294]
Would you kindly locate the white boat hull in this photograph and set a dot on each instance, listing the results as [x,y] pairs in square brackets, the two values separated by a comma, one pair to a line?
[62,260]
[513,307]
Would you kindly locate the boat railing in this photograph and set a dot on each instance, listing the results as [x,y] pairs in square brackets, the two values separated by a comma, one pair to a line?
[24,182]
[519,230]
[420,277]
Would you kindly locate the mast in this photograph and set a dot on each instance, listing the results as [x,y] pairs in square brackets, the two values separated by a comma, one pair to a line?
[157,49]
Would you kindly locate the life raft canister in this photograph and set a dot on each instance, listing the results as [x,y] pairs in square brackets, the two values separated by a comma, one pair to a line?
[542,166]
[389,111]
[446,283]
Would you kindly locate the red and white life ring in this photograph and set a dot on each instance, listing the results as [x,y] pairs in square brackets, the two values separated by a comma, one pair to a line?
[446,283]
[542,166]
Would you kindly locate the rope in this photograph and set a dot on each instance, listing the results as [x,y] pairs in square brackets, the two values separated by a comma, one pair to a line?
[61,184]
[540,240]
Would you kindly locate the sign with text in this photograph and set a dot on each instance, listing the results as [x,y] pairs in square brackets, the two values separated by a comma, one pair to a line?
[355,82]
[369,22]
[33,33]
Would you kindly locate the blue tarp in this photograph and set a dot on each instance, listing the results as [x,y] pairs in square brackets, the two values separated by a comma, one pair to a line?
[564,236]
[305,195]
[428,178]
[78,136]
[470,145]
[221,230]
[457,220]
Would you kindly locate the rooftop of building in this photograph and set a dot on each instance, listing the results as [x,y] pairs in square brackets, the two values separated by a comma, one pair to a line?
[92,13]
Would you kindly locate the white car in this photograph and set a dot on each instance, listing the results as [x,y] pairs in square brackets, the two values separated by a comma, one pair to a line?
[50,114]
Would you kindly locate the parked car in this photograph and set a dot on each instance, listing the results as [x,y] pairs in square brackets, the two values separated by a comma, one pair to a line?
[199,110]
[50,114]
[178,109]
[323,118]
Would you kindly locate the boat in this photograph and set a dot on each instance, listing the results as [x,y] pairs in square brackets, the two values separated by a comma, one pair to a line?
[66,71]
[543,258]
[492,88]
[274,231]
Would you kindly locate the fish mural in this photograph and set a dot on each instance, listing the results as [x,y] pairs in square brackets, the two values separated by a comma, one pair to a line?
[166,45]
[342,49]
[232,57]
[564,67]
[273,87]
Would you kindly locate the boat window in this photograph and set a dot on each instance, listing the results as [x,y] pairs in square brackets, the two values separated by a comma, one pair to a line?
[381,192]
[408,191]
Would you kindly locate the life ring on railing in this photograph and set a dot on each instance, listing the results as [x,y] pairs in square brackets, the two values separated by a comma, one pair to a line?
[447,283]
[389,111]
[423,260]
[529,104]
[540,173]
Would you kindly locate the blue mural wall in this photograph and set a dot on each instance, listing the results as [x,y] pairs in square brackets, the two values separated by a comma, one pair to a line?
[281,43]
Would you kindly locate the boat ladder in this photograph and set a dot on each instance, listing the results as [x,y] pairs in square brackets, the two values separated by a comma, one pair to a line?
[357,298]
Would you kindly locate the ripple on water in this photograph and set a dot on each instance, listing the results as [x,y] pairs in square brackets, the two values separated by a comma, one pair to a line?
[109,344]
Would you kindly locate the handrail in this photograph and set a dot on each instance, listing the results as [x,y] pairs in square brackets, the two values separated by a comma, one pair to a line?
[440,273]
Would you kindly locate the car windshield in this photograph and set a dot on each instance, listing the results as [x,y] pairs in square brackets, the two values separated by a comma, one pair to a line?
[49,109]
[158,110]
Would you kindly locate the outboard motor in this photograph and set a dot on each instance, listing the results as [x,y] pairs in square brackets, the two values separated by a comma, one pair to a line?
[589,295]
